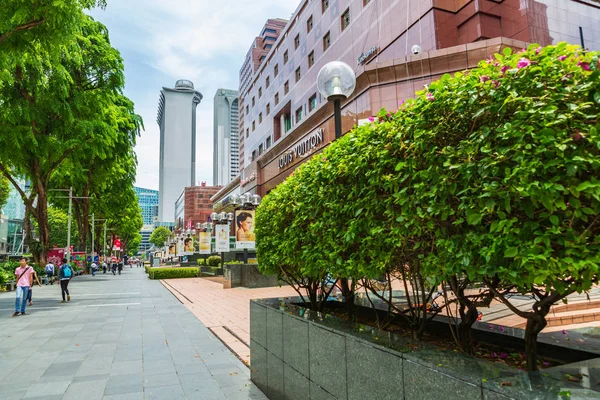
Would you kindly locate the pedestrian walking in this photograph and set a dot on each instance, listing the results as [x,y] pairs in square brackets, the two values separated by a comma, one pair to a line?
[94,268]
[104,266]
[49,273]
[65,273]
[30,293]
[114,267]
[120,266]
[23,275]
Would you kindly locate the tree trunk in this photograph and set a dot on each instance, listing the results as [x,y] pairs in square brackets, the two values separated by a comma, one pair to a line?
[32,244]
[468,316]
[348,294]
[536,322]
[44,229]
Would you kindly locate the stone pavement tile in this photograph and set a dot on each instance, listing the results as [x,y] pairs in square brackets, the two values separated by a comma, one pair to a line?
[158,367]
[168,379]
[231,379]
[243,392]
[67,369]
[91,390]
[125,396]
[157,354]
[164,393]
[128,355]
[12,394]
[132,387]
[89,378]
[47,389]
[126,367]
[124,380]
[197,369]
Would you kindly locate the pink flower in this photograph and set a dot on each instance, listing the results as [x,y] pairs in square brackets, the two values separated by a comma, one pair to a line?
[504,356]
[562,58]
[430,96]
[585,66]
[401,103]
[537,51]
[502,329]
[491,327]
[564,332]
[484,78]
[388,114]
[494,355]
[504,69]
[522,51]
[496,83]
[523,62]
[371,119]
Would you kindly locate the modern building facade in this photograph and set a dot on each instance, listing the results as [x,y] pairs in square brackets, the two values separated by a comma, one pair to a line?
[148,201]
[194,205]
[177,163]
[285,120]
[226,165]
[261,46]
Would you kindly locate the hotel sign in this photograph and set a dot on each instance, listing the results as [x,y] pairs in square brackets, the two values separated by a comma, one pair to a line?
[305,146]
[367,55]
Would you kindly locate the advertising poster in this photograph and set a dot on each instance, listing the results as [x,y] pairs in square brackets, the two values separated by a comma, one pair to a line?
[188,246]
[79,259]
[204,241]
[172,249]
[55,257]
[179,251]
[244,229]
[221,238]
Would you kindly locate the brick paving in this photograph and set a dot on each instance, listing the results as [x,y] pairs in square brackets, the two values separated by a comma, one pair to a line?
[226,312]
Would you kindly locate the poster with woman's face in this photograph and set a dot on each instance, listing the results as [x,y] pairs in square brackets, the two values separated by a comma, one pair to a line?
[244,229]
[188,246]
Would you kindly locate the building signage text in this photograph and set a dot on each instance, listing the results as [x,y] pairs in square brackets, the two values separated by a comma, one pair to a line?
[249,179]
[365,56]
[305,146]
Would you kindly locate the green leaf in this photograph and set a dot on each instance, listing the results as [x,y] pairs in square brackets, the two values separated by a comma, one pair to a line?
[511,252]
[554,220]
[474,218]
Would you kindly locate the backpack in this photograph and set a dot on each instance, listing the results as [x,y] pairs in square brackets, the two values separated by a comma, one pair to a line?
[67,272]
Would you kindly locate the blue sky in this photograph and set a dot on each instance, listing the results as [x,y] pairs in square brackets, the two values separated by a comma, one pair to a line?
[201,40]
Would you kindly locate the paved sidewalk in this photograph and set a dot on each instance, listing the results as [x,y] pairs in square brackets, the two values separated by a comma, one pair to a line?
[120,337]
[226,312]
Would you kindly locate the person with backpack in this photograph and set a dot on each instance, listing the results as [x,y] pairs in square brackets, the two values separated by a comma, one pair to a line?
[49,273]
[23,275]
[65,273]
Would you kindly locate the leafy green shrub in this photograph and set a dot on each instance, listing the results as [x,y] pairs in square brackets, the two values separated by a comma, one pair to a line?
[170,273]
[200,261]
[489,175]
[5,276]
[213,261]
[215,270]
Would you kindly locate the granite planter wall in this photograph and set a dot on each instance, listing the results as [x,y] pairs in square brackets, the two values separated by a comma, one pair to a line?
[296,353]
[246,275]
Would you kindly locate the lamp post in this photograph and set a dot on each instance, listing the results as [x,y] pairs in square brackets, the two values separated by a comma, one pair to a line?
[336,82]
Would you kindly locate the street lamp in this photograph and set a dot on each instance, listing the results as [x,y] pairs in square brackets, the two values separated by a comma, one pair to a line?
[336,82]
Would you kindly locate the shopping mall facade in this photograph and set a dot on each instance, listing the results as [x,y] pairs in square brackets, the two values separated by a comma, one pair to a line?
[283,118]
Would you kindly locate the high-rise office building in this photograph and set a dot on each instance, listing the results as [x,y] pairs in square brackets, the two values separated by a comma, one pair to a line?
[177,165]
[225,150]
[148,201]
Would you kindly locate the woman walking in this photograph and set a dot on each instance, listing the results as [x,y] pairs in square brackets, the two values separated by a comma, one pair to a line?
[65,273]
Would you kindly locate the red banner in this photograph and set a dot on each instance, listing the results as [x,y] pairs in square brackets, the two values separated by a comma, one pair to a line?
[55,256]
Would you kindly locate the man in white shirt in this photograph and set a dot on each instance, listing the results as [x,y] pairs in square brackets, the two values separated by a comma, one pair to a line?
[49,273]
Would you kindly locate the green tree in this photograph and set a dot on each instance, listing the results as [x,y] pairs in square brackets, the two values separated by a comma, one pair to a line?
[159,236]
[4,191]
[58,227]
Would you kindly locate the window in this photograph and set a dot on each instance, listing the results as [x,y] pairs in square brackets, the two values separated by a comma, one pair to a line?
[259,92]
[270,38]
[247,132]
[311,59]
[253,126]
[247,109]
[267,30]
[268,142]
[277,98]
[298,74]
[262,58]
[326,41]
[365,2]
[267,82]
[287,121]
[267,47]
[309,24]
[253,155]
[286,87]
[276,70]
[299,115]
[324,5]
[285,57]
[346,19]
[268,110]
[260,149]
[297,42]
[259,118]
[253,101]
[312,102]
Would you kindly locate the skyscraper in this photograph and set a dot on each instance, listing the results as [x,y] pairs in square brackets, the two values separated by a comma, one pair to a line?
[177,165]
[225,150]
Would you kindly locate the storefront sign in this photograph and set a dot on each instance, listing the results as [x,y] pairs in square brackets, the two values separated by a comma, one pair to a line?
[365,56]
[247,180]
[305,146]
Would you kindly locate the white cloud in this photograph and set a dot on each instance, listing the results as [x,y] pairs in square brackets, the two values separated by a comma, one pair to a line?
[162,41]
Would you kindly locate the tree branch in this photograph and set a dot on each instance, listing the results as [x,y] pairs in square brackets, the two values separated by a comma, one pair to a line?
[500,297]
[24,27]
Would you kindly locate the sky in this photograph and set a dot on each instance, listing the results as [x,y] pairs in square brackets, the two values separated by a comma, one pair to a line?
[204,41]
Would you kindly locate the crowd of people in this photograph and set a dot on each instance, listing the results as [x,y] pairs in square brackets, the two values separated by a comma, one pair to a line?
[26,276]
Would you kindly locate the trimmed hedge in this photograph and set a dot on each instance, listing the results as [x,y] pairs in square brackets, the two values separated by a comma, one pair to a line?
[170,273]
[213,261]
